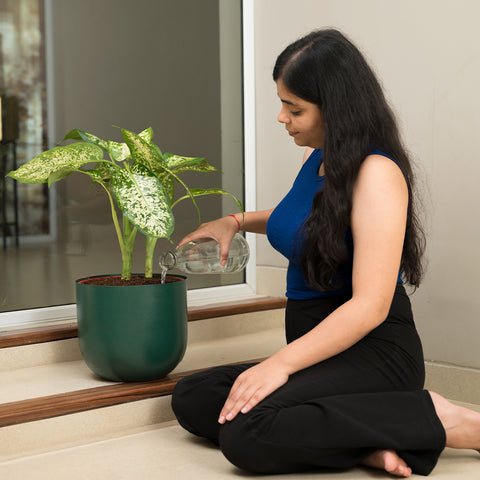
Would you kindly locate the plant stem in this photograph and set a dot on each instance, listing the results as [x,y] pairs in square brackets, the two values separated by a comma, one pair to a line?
[129,233]
[125,239]
[126,258]
[151,242]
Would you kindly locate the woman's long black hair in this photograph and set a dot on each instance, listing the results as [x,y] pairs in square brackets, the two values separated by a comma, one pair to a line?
[325,68]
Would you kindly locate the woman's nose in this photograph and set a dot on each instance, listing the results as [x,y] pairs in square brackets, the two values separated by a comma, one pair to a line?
[282,117]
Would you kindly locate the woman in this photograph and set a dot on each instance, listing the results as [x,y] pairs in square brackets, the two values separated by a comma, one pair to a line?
[347,387]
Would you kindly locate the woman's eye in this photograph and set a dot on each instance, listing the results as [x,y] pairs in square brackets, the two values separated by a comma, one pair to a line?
[296,113]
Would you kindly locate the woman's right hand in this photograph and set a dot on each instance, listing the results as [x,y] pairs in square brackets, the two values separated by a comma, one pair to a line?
[222,230]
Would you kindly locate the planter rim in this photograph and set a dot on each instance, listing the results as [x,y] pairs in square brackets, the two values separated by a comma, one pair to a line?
[82,281]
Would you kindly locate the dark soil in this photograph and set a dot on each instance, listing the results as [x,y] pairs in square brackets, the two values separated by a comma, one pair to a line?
[116,281]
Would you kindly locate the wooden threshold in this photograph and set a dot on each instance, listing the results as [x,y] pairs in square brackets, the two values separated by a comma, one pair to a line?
[15,338]
[41,408]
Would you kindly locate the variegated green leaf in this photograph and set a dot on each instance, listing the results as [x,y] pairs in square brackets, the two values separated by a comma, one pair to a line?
[142,200]
[143,151]
[164,177]
[180,164]
[72,135]
[136,167]
[77,134]
[61,174]
[57,163]
[103,172]
[149,155]
[168,185]
[147,134]
[120,151]
[96,176]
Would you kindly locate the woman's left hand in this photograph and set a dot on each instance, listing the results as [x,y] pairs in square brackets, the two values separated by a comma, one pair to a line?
[251,387]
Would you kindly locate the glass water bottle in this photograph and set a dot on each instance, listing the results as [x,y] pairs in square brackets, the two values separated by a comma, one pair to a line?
[203,256]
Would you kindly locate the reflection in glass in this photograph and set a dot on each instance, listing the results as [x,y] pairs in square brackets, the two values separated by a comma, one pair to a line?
[22,89]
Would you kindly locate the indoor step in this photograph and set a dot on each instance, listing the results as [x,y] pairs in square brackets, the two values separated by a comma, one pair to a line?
[53,399]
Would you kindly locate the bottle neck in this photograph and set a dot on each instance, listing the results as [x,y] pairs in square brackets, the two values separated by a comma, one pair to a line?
[169,260]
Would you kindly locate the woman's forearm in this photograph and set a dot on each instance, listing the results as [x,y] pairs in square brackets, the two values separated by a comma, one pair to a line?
[254,222]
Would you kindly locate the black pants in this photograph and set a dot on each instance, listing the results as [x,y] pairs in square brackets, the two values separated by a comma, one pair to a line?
[332,414]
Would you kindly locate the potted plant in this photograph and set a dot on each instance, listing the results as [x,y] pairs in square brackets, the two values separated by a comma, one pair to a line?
[131,327]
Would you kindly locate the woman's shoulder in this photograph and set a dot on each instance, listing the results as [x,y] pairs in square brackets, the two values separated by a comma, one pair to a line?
[380,160]
[381,153]
[379,168]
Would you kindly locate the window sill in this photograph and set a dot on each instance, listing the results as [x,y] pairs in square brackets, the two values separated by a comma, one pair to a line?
[29,336]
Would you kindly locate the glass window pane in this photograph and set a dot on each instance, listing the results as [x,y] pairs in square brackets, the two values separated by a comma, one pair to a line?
[149,63]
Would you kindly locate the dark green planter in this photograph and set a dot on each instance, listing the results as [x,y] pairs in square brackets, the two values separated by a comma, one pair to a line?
[132,333]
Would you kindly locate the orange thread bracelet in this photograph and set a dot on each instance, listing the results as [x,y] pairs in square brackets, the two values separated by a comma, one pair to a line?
[236,219]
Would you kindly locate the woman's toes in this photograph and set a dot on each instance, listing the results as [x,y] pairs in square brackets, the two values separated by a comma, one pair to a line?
[389,461]
[395,465]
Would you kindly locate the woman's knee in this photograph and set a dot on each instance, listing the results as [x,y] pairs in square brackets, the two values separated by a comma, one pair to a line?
[184,403]
[197,401]
[242,446]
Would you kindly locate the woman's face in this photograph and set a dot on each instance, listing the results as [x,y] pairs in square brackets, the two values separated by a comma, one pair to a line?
[303,120]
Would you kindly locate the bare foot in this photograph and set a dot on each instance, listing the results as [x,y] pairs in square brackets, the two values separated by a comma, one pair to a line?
[462,426]
[389,461]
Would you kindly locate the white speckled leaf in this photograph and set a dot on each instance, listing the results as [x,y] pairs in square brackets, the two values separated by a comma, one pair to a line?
[120,151]
[146,134]
[57,163]
[143,201]
[77,134]
[103,171]
[180,164]
[168,185]
[144,151]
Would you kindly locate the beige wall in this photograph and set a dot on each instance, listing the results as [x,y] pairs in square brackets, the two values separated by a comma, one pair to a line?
[427,54]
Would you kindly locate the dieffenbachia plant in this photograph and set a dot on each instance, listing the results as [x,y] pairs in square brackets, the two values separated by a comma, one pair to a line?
[136,175]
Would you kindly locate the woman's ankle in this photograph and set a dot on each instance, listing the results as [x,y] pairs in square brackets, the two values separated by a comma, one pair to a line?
[462,425]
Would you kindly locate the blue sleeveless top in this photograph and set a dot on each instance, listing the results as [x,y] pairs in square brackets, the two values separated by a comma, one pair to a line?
[283,231]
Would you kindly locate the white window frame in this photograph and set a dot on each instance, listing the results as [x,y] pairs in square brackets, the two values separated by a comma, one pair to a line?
[31,317]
